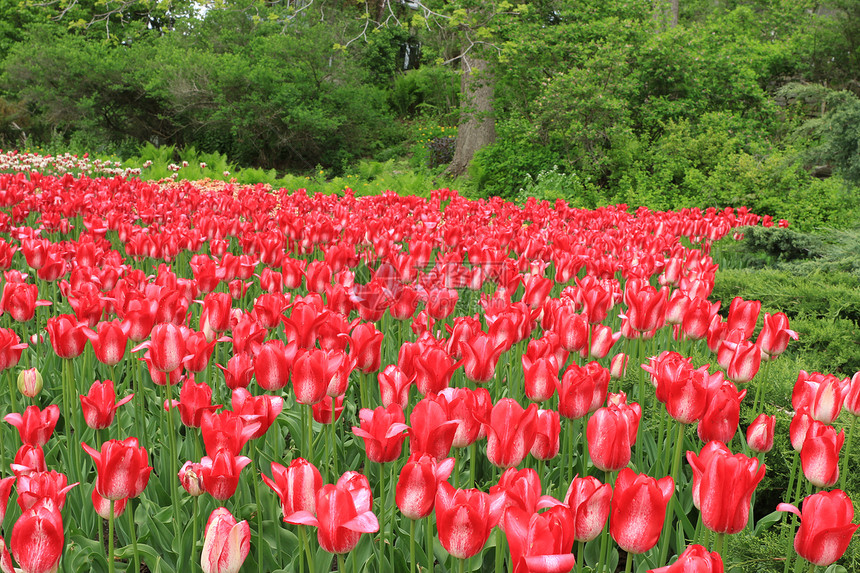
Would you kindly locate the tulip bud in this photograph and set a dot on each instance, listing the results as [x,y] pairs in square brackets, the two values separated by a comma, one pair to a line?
[618,366]
[226,544]
[760,433]
[30,382]
[191,477]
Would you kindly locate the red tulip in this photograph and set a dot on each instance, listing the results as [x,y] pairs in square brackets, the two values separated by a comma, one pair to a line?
[638,510]
[302,324]
[419,480]
[312,372]
[582,390]
[215,316]
[540,541]
[825,526]
[819,456]
[540,374]
[760,433]
[394,386]
[433,369]
[198,351]
[102,506]
[226,430]
[572,328]
[166,347]
[328,411]
[273,363]
[247,335]
[547,434]
[516,488]
[5,491]
[194,401]
[774,336]
[589,500]
[37,539]
[694,559]
[698,317]
[191,477]
[462,520]
[722,415]
[123,468]
[220,473]
[618,366]
[269,309]
[602,341]
[852,395]
[261,409]
[35,426]
[28,459]
[99,405]
[646,308]
[67,335]
[431,432]
[36,487]
[20,301]
[365,347]
[109,341]
[510,433]
[10,348]
[743,314]
[139,317]
[382,431]
[296,486]
[743,363]
[239,371]
[343,513]
[725,484]
[226,543]
[461,406]
[823,394]
[799,427]
[611,432]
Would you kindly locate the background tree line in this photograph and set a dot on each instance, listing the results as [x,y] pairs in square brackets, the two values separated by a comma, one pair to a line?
[659,102]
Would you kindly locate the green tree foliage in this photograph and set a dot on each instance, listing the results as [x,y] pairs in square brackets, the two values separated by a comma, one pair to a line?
[603,94]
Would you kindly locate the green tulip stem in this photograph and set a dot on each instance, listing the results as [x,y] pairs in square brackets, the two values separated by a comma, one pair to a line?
[13,389]
[584,438]
[628,565]
[812,568]
[259,509]
[333,451]
[174,471]
[500,551]
[640,350]
[462,565]
[428,534]
[111,563]
[130,511]
[605,536]
[341,565]
[140,415]
[195,519]
[309,429]
[306,542]
[580,547]
[389,500]
[719,543]
[844,471]
[759,390]
[473,464]
[665,538]
[413,564]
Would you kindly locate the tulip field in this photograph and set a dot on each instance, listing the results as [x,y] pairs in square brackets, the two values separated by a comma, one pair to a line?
[203,376]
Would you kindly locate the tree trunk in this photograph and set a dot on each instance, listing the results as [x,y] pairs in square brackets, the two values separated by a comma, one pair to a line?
[477,126]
